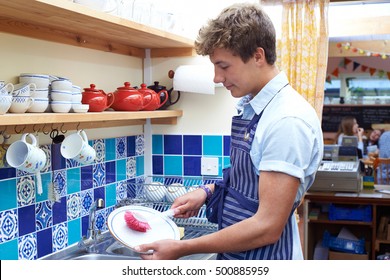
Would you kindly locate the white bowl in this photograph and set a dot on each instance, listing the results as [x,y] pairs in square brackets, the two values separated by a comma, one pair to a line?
[57,95]
[61,85]
[40,93]
[80,108]
[40,80]
[77,97]
[60,106]
[174,191]
[155,191]
[39,105]
[76,89]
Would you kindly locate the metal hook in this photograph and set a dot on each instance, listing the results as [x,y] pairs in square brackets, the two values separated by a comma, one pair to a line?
[78,125]
[20,131]
[63,132]
[43,130]
[35,130]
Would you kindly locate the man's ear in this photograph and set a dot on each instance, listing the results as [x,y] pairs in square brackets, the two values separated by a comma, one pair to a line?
[260,55]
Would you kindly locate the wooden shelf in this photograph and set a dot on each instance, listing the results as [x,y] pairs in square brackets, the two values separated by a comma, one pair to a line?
[44,122]
[69,23]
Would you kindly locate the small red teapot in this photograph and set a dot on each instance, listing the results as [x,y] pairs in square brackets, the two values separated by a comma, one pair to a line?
[154,99]
[97,99]
[128,98]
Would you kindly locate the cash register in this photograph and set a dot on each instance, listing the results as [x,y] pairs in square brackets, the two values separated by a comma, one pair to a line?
[339,171]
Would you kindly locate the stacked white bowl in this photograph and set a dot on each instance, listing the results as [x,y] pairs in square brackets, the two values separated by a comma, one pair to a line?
[77,106]
[61,95]
[39,93]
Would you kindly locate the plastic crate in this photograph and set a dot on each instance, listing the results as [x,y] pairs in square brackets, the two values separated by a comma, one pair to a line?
[361,213]
[343,245]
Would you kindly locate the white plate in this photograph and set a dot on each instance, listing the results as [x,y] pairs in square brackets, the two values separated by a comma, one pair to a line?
[161,227]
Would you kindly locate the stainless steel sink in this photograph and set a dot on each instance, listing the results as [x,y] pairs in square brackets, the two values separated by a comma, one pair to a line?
[108,248]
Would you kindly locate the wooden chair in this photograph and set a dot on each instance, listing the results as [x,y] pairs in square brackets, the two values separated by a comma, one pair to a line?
[382,167]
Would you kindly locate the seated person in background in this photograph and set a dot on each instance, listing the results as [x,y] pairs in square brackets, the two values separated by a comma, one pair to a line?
[350,127]
[384,152]
[372,141]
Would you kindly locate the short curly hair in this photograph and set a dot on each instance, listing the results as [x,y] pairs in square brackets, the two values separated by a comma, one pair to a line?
[240,28]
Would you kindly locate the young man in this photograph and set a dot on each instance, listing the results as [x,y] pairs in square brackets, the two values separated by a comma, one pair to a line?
[276,147]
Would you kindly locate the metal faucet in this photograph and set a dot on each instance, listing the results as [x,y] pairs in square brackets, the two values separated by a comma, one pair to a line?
[92,235]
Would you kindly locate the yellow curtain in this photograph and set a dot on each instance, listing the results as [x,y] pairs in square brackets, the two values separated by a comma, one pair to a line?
[303,49]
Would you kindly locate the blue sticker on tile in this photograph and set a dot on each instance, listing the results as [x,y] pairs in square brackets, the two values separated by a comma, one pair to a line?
[28,247]
[192,145]
[26,220]
[173,165]
[173,144]
[8,194]
[8,225]
[99,174]
[44,242]
[44,215]
[192,166]
[212,145]
[157,144]
[110,172]
[130,146]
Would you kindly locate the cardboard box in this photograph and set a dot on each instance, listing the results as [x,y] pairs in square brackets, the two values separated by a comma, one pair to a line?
[333,255]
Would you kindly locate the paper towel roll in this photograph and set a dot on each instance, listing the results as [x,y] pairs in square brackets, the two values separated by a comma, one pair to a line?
[194,78]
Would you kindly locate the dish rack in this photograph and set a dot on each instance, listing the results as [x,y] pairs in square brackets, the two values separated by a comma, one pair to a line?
[194,226]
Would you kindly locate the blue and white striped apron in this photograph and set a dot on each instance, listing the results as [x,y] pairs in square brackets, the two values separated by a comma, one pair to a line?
[239,197]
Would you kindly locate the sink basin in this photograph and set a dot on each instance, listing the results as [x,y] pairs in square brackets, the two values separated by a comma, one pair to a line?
[108,248]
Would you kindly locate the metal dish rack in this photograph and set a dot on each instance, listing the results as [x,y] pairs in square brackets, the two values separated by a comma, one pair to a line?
[194,226]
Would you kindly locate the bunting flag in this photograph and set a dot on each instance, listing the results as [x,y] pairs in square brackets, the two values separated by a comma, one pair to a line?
[348,47]
[355,65]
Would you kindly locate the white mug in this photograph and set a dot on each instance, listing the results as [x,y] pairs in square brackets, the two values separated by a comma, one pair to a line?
[25,156]
[6,89]
[5,103]
[22,89]
[20,104]
[76,147]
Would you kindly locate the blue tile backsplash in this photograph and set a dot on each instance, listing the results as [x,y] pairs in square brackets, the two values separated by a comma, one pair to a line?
[33,225]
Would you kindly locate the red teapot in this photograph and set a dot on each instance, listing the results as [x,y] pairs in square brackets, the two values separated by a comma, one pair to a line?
[154,99]
[97,99]
[128,98]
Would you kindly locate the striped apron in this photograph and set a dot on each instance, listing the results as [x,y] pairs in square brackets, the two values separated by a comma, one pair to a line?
[236,197]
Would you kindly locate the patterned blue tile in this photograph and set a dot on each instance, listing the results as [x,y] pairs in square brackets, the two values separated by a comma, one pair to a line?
[173,144]
[47,166]
[60,181]
[139,145]
[192,145]
[73,206]
[26,190]
[26,221]
[43,215]
[121,191]
[8,225]
[100,221]
[8,194]
[121,147]
[86,201]
[99,174]
[99,147]
[60,237]
[131,167]
[28,247]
